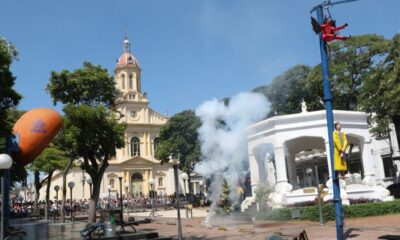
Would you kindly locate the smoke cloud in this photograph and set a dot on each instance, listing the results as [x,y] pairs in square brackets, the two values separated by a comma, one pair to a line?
[223,139]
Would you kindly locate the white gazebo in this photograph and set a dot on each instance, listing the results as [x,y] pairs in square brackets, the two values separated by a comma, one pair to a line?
[285,152]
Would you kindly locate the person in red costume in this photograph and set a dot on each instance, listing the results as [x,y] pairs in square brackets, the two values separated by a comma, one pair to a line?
[328,29]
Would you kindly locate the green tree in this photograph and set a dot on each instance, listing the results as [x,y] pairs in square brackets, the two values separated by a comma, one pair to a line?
[350,63]
[91,128]
[380,94]
[9,98]
[49,161]
[287,91]
[179,136]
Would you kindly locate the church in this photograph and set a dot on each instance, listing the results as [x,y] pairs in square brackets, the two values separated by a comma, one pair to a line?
[135,163]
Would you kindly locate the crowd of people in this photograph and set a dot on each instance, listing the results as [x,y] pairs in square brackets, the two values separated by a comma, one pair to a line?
[80,207]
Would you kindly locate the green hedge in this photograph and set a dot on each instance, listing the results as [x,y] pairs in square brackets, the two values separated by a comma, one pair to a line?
[311,213]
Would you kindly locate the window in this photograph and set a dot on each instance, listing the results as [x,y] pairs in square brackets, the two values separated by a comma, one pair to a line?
[130,81]
[123,81]
[156,142]
[135,146]
[160,181]
[388,166]
[137,176]
[112,183]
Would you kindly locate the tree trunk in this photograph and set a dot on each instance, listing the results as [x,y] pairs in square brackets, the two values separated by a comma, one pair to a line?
[396,122]
[189,181]
[97,177]
[37,191]
[64,189]
[46,210]
[94,198]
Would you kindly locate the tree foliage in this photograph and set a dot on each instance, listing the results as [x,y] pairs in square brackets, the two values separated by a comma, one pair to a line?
[179,136]
[9,98]
[287,91]
[351,62]
[89,85]
[91,128]
[380,94]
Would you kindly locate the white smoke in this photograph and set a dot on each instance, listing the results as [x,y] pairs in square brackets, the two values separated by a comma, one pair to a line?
[223,139]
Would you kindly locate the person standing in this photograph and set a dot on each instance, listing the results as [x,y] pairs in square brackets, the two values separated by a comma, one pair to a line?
[340,146]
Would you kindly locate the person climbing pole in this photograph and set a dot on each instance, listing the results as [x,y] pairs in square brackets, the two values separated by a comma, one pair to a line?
[329,30]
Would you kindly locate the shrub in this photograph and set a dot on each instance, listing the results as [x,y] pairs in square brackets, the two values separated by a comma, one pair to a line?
[312,213]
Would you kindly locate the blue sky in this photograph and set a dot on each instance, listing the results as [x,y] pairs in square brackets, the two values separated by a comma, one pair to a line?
[190,51]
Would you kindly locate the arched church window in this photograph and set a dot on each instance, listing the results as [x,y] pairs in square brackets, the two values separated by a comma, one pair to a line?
[123,81]
[130,81]
[135,146]
[137,176]
[160,181]
[156,143]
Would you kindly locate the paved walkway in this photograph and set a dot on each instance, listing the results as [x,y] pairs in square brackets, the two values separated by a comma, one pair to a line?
[231,228]
[225,227]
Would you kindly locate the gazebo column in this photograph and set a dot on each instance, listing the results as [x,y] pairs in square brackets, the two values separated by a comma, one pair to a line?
[254,173]
[328,158]
[380,171]
[368,164]
[291,169]
[282,184]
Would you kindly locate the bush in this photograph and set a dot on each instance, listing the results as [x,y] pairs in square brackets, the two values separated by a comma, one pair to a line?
[312,213]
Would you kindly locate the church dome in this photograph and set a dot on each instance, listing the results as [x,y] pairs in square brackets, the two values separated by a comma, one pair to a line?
[127,58]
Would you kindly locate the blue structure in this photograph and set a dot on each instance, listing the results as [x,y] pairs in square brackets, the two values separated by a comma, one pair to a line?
[339,214]
[12,147]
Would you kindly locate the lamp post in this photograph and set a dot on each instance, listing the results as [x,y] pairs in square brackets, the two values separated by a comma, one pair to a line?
[71,185]
[56,188]
[127,188]
[5,164]
[175,163]
[90,182]
[83,184]
[120,196]
[184,177]
[109,196]
[152,182]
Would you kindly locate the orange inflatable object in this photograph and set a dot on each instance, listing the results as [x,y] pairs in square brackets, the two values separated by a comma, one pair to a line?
[36,129]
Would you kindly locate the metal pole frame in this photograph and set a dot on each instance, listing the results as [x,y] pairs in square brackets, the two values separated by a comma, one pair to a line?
[120,197]
[56,205]
[177,202]
[12,146]
[186,201]
[72,210]
[329,118]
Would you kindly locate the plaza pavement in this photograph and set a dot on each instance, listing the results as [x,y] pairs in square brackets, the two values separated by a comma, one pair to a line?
[224,227]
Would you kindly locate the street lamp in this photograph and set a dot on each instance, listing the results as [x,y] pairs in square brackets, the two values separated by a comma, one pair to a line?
[83,184]
[5,163]
[152,181]
[127,187]
[120,196]
[109,196]
[175,163]
[184,177]
[90,182]
[56,188]
[71,185]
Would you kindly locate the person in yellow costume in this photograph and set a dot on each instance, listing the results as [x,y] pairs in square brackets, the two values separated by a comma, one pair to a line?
[340,146]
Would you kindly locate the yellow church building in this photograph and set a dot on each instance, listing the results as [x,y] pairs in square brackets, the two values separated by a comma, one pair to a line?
[135,163]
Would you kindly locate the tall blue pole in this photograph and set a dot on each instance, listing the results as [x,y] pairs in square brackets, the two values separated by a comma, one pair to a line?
[11,147]
[329,119]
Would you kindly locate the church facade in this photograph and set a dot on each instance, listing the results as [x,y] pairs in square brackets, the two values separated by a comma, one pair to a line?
[135,163]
